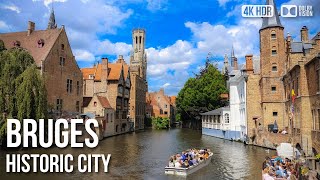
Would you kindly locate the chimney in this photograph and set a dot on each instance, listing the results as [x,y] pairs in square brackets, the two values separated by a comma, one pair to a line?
[104,69]
[120,59]
[161,91]
[235,64]
[249,64]
[31,27]
[289,39]
[304,34]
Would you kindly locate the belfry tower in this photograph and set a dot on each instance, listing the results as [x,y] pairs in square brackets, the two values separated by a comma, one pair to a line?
[138,56]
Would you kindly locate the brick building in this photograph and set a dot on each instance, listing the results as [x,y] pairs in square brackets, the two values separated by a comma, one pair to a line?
[112,82]
[52,54]
[161,105]
[288,69]
[138,75]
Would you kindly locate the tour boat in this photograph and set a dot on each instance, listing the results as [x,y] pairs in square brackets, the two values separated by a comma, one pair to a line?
[186,171]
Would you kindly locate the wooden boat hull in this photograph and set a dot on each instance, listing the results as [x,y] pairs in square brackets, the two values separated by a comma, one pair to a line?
[187,171]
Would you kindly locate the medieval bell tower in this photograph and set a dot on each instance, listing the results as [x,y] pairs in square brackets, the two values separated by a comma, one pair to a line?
[138,56]
[272,63]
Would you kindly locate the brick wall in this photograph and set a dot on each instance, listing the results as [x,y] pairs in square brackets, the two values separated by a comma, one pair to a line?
[56,76]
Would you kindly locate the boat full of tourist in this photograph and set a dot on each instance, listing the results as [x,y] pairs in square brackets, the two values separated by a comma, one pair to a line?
[188,162]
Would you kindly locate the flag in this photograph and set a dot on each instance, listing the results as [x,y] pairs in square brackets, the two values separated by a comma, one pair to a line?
[293,95]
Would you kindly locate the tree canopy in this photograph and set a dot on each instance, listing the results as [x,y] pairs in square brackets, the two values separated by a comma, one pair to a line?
[22,89]
[201,94]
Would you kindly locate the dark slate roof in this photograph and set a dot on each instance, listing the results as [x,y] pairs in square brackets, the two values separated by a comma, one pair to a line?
[317,36]
[273,21]
[216,111]
[299,47]
[86,101]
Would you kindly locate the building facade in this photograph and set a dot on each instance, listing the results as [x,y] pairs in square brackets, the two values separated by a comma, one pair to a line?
[216,123]
[138,74]
[111,81]
[161,105]
[52,54]
[286,91]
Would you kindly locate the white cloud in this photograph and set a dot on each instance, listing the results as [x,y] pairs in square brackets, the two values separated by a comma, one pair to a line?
[83,55]
[12,7]
[155,5]
[4,26]
[166,85]
[118,48]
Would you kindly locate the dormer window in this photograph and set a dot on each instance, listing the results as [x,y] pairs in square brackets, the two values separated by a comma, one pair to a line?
[40,43]
[91,76]
[62,47]
[16,44]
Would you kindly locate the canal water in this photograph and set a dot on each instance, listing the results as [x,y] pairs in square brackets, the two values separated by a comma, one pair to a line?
[144,154]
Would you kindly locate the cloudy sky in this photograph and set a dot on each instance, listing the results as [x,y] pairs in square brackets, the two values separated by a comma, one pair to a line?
[180,33]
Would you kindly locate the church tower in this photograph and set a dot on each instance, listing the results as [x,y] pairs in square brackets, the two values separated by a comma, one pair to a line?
[272,64]
[52,21]
[138,56]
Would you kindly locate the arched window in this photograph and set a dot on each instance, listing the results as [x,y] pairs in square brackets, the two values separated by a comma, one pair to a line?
[226,118]
[62,47]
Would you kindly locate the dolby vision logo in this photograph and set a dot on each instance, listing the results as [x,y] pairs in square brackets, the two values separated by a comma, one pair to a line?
[289,11]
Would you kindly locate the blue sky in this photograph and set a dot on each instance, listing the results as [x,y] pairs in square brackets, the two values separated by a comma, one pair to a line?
[180,33]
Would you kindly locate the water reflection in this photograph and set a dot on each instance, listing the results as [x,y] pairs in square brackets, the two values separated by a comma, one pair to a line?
[144,155]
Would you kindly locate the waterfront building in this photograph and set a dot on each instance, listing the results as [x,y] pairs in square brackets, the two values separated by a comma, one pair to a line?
[138,76]
[161,105]
[104,113]
[51,51]
[286,91]
[111,81]
[217,123]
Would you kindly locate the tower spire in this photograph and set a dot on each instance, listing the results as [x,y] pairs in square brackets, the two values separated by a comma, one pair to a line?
[232,56]
[273,21]
[52,20]
[225,64]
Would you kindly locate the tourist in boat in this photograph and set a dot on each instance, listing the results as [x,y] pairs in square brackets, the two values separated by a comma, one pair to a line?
[171,163]
[185,164]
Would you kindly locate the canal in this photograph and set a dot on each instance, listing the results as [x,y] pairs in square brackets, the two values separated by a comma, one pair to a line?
[143,155]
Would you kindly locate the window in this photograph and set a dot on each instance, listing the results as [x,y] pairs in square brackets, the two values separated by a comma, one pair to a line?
[274,52]
[62,47]
[275,114]
[161,111]
[273,88]
[165,112]
[274,68]
[78,106]
[78,88]
[59,105]
[91,76]
[165,106]
[62,61]
[273,35]
[226,118]
[69,85]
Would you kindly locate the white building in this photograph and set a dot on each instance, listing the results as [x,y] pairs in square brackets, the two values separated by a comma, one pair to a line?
[217,123]
[237,102]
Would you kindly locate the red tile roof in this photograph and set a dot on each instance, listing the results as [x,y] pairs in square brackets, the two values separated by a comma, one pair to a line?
[104,102]
[30,43]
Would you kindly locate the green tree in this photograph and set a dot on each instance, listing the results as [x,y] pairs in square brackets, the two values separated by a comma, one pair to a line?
[22,89]
[201,94]
[160,123]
